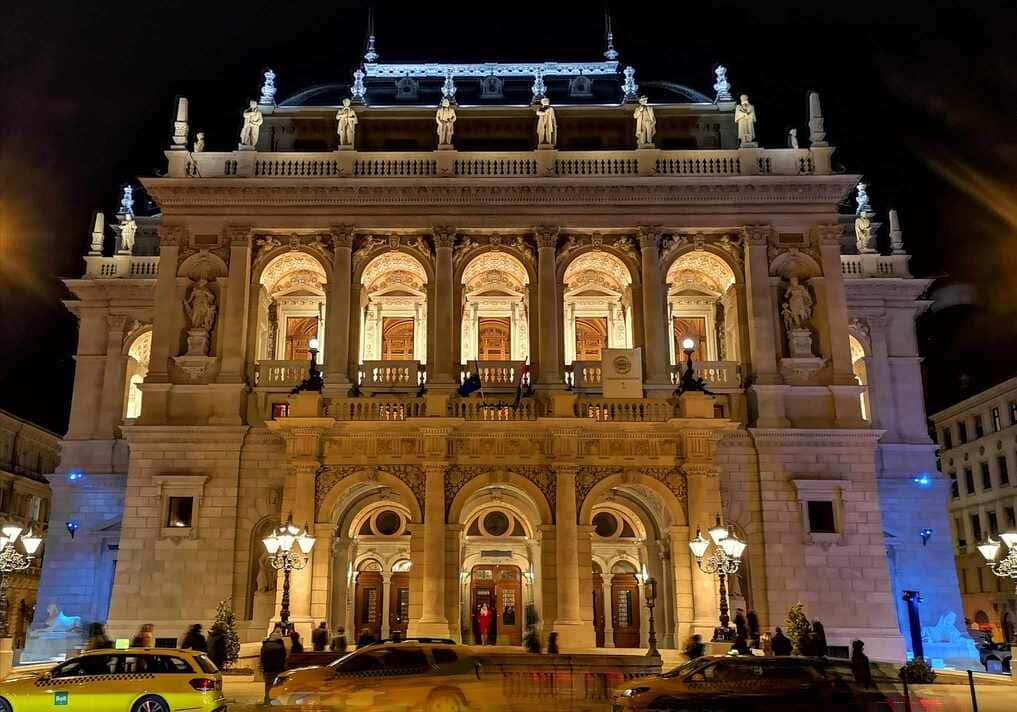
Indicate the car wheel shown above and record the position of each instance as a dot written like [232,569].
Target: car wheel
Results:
[446,701]
[5,706]
[150,703]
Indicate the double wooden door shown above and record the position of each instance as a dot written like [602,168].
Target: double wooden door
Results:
[399,604]
[500,587]
[625,610]
[368,604]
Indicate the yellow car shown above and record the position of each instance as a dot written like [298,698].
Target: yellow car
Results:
[409,675]
[132,680]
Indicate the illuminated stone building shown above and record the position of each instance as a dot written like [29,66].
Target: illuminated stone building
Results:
[416,265]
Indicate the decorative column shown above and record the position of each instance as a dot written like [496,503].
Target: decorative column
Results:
[551,375]
[432,615]
[703,505]
[762,326]
[658,380]
[90,366]
[337,314]
[605,596]
[112,400]
[572,631]
[302,474]
[443,369]
[384,604]
[234,312]
[570,333]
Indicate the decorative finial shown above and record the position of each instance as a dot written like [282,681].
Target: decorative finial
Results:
[127,201]
[180,127]
[98,233]
[610,53]
[538,86]
[722,86]
[358,89]
[629,86]
[370,55]
[817,132]
[268,89]
[448,89]
[896,236]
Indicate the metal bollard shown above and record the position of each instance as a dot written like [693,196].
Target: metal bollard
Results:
[971,684]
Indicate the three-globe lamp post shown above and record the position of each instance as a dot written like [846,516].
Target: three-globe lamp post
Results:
[12,560]
[284,557]
[724,560]
[1007,566]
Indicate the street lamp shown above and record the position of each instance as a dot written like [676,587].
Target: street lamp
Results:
[724,560]
[314,381]
[650,593]
[12,560]
[1007,566]
[689,381]
[283,557]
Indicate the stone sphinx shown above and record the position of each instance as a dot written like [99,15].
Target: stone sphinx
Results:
[56,636]
[945,643]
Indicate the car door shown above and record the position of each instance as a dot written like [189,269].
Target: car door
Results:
[73,685]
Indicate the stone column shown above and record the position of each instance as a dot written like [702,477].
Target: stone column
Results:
[547,309]
[703,506]
[111,408]
[654,314]
[572,631]
[386,591]
[234,312]
[90,367]
[836,303]
[432,616]
[443,370]
[302,474]
[763,344]
[608,610]
[570,333]
[337,315]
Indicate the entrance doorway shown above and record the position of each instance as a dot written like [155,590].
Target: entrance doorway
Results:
[367,611]
[500,587]
[494,339]
[694,327]
[399,605]
[299,332]
[625,610]
[397,339]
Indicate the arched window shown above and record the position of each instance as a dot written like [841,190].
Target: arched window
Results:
[495,321]
[702,305]
[394,310]
[858,365]
[138,356]
[598,306]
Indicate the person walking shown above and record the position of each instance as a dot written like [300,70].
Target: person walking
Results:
[860,664]
[780,643]
[194,639]
[145,637]
[695,647]
[484,617]
[741,645]
[338,644]
[752,620]
[273,659]
[319,637]
[366,638]
[217,645]
[552,643]
[819,633]
[532,639]
[741,626]
[807,644]
[296,645]
[97,638]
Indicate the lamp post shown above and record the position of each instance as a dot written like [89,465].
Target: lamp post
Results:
[12,560]
[1007,566]
[724,560]
[283,557]
[650,593]
[689,382]
[314,381]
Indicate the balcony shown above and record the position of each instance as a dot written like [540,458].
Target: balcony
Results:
[625,410]
[718,375]
[584,375]
[121,266]
[375,408]
[279,374]
[496,376]
[873,265]
[391,376]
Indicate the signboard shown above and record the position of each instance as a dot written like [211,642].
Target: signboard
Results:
[622,373]
[122,643]
[60,697]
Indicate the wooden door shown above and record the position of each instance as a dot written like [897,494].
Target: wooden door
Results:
[598,608]
[299,332]
[591,337]
[494,339]
[482,590]
[399,604]
[397,339]
[625,610]
[694,326]
[367,611]
[510,609]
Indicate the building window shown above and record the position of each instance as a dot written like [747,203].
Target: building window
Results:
[962,432]
[280,410]
[976,527]
[947,439]
[993,524]
[979,428]
[821,519]
[181,504]
[1012,406]
[958,526]
[995,420]
[986,477]
[179,512]
[969,481]
[954,486]
[1004,473]
[1011,517]
[823,509]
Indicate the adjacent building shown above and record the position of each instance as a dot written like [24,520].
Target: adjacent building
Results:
[978,454]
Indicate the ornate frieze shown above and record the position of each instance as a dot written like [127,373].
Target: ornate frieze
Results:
[588,477]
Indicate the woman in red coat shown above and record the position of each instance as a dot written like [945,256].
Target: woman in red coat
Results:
[484,618]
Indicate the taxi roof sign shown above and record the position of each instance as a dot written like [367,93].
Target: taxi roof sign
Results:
[122,643]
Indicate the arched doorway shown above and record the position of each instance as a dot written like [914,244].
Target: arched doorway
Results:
[499,589]
[598,308]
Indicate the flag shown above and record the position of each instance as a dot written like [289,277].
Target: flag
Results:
[519,384]
[471,384]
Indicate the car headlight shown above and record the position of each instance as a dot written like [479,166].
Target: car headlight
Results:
[633,691]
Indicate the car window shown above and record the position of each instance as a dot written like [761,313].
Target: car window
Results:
[85,665]
[169,664]
[360,663]
[444,656]
[404,659]
[788,673]
[206,664]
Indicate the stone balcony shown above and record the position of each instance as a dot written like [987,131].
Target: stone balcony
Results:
[869,265]
[279,374]
[121,267]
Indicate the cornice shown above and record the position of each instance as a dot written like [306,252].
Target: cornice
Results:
[815,437]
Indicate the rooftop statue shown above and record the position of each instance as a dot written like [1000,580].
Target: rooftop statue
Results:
[268,89]
[547,123]
[445,118]
[722,86]
[199,142]
[253,119]
[745,119]
[792,138]
[646,123]
[127,200]
[862,197]
[128,229]
[347,127]
[863,232]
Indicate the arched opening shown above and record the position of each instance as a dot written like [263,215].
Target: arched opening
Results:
[138,356]
[290,312]
[262,577]
[702,304]
[860,368]
[393,314]
[598,313]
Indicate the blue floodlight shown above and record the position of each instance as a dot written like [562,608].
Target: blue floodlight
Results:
[922,480]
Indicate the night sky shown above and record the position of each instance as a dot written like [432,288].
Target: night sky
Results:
[918,97]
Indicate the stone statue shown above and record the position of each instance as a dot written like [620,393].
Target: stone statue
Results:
[792,138]
[446,119]
[863,231]
[347,119]
[266,578]
[797,309]
[862,197]
[127,201]
[646,123]
[629,86]
[57,622]
[200,306]
[128,229]
[945,630]
[745,119]
[199,142]
[253,119]
[722,86]
[547,123]
[268,89]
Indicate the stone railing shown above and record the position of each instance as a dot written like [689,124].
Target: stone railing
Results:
[496,375]
[279,374]
[391,375]
[121,266]
[717,374]
[548,163]
[874,265]
[629,410]
[375,408]
[495,411]
[584,375]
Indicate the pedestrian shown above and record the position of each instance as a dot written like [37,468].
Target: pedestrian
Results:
[296,646]
[97,638]
[753,622]
[194,639]
[338,644]
[741,626]
[766,643]
[532,640]
[819,633]
[781,643]
[273,658]
[319,637]
[366,638]
[741,645]
[552,643]
[807,644]
[484,616]
[695,647]
[145,637]
[217,645]
[860,664]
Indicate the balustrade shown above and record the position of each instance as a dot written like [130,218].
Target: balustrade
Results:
[391,375]
[716,374]
[121,266]
[584,375]
[494,411]
[279,374]
[627,410]
[496,375]
[375,408]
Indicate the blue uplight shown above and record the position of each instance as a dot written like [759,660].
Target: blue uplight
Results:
[75,475]
[72,527]
[926,534]
[922,480]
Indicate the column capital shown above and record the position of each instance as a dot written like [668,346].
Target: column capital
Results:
[546,236]
[238,235]
[444,236]
[171,235]
[756,235]
[829,234]
[116,323]
[342,235]
[568,469]
[649,237]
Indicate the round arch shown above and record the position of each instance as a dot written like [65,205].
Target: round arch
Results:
[718,261]
[327,509]
[351,522]
[795,264]
[629,261]
[521,265]
[712,271]
[499,477]
[675,508]
[301,254]
[401,255]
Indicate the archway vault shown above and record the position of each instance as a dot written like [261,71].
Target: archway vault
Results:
[669,483]
[332,481]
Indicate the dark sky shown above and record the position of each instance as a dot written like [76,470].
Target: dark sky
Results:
[918,97]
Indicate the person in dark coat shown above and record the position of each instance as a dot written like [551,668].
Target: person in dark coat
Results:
[819,634]
[807,644]
[273,658]
[532,640]
[741,627]
[695,647]
[338,644]
[753,622]
[194,639]
[217,645]
[319,637]
[741,645]
[366,638]
[860,664]
[780,643]
[296,646]
[97,638]
[552,643]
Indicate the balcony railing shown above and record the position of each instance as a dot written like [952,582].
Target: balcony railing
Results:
[496,375]
[717,374]
[391,375]
[495,411]
[279,374]
[873,265]
[375,408]
[584,375]
[121,266]
[628,410]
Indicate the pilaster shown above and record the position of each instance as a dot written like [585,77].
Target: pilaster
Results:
[338,364]
[433,620]
[763,344]
[111,407]
[443,369]
[234,339]
[658,381]
[550,364]
[572,631]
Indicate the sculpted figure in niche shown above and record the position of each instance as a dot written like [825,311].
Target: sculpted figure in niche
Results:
[446,119]
[646,122]
[253,119]
[797,309]
[347,119]
[200,306]
[745,119]
[547,123]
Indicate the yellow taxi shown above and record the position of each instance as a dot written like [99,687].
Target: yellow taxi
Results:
[411,674]
[131,680]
